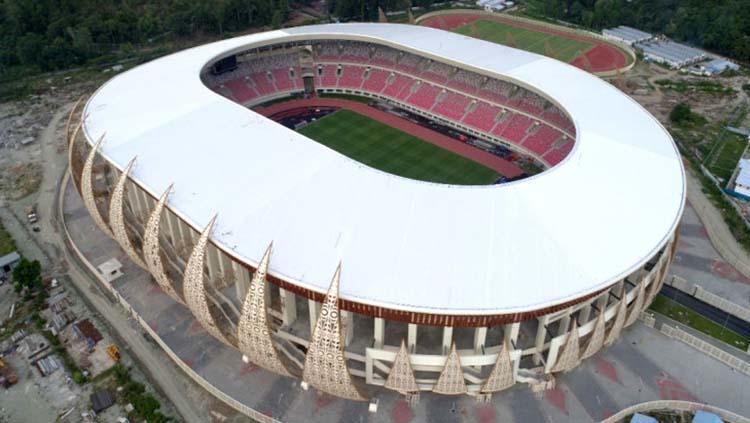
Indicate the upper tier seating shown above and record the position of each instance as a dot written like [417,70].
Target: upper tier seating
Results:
[541,140]
[424,97]
[452,105]
[375,81]
[351,77]
[482,117]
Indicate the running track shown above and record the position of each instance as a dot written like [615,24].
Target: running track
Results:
[499,165]
[601,57]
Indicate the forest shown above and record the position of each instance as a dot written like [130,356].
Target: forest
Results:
[722,26]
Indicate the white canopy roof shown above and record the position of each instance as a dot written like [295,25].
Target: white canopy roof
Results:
[404,244]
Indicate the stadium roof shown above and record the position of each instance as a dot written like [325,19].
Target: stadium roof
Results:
[405,244]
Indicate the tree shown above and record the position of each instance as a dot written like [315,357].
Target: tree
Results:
[27,274]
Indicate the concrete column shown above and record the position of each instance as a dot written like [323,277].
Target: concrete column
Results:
[145,204]
[347,320]
[480,337]
[174,235]
[314,308]
[288,307]
[214,271]
[411,337]
[541,333]
[510,332]
[564,323]
[226,266]
[447,338]
[584,313]
[378,331]
[242,276]
[135,206]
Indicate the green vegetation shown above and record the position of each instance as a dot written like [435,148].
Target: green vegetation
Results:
[561,48]
[724,157]
[688,317]
[27,274]
[721,26]
[682,115]
[7,245]
[146,407]
[700,85]
[391,150]
[49,35]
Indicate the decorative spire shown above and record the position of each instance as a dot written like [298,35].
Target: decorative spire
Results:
[117,217]
[617,326]
[502,375]
[195,287]
[325,363]
[637,307]
[151,249]
[570,355]
[597,338]
[451,380]
[254,330]
[401,377]
[87,189]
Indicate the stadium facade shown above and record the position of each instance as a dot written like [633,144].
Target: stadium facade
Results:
[315,266]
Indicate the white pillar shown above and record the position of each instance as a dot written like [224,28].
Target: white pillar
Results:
[584,313]
[510,332]
[347,320]
[214,271]
[174,233]
[411,338]
[447,338]
[564,323]
[480,336]
[541,333]
[242,281]
[378,331]
[145,205]
[314,308]
[288,307]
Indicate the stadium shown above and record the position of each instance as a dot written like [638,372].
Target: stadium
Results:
[378,206]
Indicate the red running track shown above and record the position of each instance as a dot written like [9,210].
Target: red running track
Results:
[499,165]
[601,57]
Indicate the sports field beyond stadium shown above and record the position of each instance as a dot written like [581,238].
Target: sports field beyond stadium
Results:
[388,149]
[588,53]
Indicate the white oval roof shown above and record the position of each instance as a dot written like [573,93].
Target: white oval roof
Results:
[404,244]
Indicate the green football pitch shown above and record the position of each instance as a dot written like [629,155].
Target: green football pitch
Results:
[388,149]
[560,48]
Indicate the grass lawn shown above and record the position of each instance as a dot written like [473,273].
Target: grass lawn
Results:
[726,154]
[560,48]
[6,242]
[391,150]
[684,315]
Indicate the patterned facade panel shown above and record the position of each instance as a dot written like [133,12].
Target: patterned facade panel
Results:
[502,375]
[253,330]
[401,377]
[117,217]
[570,355]
[195,288]
[87,189]
[637,307]
[451,380]
[325,363]
[596,342]
[614,331]
[72,145]
[151,249]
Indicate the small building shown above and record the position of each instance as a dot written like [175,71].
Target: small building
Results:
[8,262]
[102,400]
[742,182]
[111,269]
[494,5]
[626,34]
[717,66]
[670,53]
